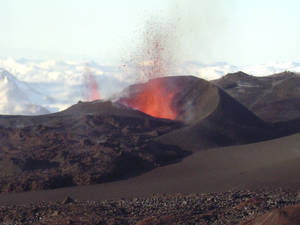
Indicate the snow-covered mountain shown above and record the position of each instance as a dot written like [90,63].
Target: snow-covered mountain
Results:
[17,97]
[54,85]
[41,86]
[71,72]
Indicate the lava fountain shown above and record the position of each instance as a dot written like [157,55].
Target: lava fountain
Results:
[153,99]
[153,60]
[91,87]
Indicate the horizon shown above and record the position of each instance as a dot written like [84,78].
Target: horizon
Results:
[56,85]
[207,71]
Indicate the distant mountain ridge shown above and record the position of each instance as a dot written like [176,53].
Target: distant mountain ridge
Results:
[274,98]
[19,98]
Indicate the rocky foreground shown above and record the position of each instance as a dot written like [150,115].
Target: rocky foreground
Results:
[233,207]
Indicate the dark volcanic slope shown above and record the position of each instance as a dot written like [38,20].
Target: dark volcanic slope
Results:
[88,143]
[273,163]
[273,98]
[212,117]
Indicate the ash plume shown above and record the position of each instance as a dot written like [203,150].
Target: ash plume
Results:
[154,54]
[188,31]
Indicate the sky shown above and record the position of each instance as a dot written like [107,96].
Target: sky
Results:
[240,32]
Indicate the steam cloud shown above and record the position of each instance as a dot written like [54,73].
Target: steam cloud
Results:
[199,26]
[91,91]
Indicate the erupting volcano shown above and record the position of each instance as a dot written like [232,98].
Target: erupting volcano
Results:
[153,59]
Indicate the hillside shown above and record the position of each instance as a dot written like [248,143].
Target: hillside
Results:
[273,98]
[81,145]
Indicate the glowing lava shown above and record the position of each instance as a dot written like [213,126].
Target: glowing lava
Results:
[153,100]
[154,58]
[91,88]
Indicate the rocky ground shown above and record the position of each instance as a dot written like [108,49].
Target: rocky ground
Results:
[273,98]
[232,207]
[81,148]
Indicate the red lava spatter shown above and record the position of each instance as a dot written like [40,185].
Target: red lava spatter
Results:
[153,61]
[154,100]
[91,88]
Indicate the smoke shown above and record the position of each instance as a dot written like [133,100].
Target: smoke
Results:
[189,30]
[200,25]
[91,90]
[153,55]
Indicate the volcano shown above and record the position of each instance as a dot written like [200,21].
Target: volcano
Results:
[101,141]
[212,118]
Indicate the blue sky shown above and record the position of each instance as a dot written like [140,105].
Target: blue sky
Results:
[239,32]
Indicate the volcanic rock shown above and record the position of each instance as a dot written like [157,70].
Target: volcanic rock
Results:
[212,208]
[285,216]
[84,144]
[274,98]
[67,200]
[101,141]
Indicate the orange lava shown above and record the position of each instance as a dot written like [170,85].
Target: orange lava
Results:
[154,100]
